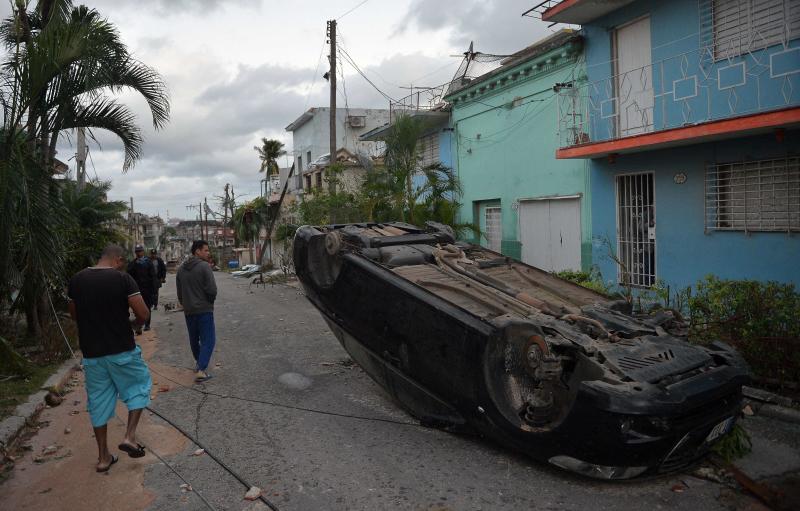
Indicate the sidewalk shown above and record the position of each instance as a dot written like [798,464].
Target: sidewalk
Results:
[55,464]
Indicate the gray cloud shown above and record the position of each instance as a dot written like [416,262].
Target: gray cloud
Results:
[171,7]
[496,26]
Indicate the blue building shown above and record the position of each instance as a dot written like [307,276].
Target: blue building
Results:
[690,121]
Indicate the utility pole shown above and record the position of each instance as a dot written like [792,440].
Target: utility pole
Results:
[332,78]
[80,160]
[202,212]
[130,225]
[225,222]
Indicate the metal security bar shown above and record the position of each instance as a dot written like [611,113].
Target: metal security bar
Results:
[494,228]
[761,195]
[636,230]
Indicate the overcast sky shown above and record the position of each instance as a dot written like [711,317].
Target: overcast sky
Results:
[239,70]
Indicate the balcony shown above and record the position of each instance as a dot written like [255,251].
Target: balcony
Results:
[707,94]
[578,12]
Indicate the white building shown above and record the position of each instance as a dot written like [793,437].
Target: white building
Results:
[311,136]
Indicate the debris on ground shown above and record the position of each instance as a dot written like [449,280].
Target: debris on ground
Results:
[185,487]
[67,430]
[53,399]
[253,493]
[199,452]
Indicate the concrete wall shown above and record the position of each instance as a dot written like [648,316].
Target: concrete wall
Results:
[504,150]
[314,135]
[684,252]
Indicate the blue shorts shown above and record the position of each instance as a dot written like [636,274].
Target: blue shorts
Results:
[123,375]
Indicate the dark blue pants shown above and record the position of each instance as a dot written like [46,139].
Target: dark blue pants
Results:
[201,337]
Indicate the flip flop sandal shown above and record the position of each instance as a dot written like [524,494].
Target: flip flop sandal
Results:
[114,459]
[133,452]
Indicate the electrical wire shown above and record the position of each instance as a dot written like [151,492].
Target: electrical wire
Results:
[287,406]
[314,78]
[213,457]
[55,315]
[352,62]
[352,9]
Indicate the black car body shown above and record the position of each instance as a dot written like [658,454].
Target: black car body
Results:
[465,338]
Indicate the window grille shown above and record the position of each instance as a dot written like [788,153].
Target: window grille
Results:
[742,26]
[494,228]
[636,230]
[759,195]
[429,150]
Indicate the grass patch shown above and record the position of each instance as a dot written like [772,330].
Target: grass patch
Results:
[16,391]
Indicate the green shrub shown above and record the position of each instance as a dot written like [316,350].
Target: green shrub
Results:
[762,319]
[591,279]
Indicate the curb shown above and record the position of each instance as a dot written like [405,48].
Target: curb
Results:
[11,426]
[771,405]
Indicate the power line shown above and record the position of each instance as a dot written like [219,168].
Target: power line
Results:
[314,78]
[350,60]
[352,9]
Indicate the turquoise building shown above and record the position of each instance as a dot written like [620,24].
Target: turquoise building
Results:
[528,204]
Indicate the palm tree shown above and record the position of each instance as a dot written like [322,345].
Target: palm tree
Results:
[248,220]
[64,65]
[268,153]
[92,222]
[393,193]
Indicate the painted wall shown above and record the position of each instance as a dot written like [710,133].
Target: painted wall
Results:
[314,135]
[504,150]
[684,252]
[690,84]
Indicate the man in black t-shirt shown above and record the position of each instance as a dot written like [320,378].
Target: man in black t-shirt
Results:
[100,297]
[161,274]
[142,271]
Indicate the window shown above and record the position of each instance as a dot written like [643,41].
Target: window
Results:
[428,147]
[308,157]
[308,183]
[300,163]
[319,179]
[494,228]
[759,195]
[747,25]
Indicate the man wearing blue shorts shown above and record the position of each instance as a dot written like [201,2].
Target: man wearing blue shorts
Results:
[100,297]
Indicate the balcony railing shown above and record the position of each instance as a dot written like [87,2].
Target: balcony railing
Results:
[683,90]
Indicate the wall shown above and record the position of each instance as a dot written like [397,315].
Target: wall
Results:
[506,154]
[684,253]
[689,84]
[314,135]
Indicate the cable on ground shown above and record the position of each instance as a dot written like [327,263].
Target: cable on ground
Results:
[289,407]
[213,457]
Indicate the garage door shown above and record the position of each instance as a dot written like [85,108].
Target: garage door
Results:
[550,233]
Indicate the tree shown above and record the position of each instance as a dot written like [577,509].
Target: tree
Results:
[63,67]
[91,222]
[248,220]
[268,153]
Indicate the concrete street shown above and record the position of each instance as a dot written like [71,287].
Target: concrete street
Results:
[273,346]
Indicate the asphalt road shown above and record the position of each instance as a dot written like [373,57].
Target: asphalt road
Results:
[273,346]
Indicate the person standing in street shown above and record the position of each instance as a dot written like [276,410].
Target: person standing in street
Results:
[141,269]
[197,291]
[161,274]
[99,299]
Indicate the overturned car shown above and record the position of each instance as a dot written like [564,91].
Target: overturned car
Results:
[466,339]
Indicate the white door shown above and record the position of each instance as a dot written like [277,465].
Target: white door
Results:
[634,80]
[550,233]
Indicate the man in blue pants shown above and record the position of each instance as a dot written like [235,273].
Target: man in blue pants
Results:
[197,291]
